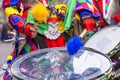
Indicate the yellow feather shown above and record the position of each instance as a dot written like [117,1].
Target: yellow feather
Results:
[40,12]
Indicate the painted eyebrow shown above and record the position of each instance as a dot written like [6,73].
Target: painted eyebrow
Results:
[53,25]
[56,23]
[50,24]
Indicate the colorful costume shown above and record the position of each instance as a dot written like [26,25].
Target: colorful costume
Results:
[32,18]
[89,15]
[45,29]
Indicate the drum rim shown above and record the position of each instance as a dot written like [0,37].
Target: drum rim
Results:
[105,73]
[112,26]
[30,54]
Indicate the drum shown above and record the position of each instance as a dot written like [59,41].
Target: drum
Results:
[55,64]
[107,41]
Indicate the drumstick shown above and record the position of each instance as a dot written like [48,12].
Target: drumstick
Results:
[84,32]
[76,43]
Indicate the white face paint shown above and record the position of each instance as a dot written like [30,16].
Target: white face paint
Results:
[53,32]
[52,28]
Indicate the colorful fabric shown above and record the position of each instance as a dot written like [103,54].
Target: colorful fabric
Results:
[47,1]
[30,18]
[17,22]
[7,76]
[11,57]
[25,12]
[41,27]
[28,47]
[107,3]
[59,42]
[11,10]
[7,3]
[99,4]
[88,7]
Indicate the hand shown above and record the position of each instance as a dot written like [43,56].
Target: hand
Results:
[30,31]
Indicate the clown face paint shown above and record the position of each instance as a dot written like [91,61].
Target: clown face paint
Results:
[53,32]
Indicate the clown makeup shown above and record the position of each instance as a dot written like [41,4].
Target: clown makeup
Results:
[53,32]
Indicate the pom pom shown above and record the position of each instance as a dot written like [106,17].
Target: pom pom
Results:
[10,57]
[9,61]
[40,12]
[74,45]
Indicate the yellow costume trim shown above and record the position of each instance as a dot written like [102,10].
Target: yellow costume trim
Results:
[77,16]
[60,26]
[12,10]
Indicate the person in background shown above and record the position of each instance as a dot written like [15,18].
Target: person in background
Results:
[6,32]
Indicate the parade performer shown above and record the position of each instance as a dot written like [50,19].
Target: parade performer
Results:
[41,27]
[16,11]
[89,15]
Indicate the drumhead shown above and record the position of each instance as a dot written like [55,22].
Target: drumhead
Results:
[54,63]
[92,65]
[105,40]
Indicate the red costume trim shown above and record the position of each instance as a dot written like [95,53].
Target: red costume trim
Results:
[59,42]
[53,20]
[100,4]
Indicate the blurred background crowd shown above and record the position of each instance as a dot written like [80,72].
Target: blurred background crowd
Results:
[5,29]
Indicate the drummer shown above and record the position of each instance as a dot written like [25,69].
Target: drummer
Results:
[90,18]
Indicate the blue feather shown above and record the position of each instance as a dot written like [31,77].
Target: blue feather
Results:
[74,45]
